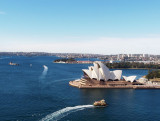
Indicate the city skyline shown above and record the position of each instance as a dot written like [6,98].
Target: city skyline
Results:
[98,27]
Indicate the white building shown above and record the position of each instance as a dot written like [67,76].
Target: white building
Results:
[101,72]
[143,80]
[129,78]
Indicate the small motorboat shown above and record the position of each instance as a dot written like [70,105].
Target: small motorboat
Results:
[100,103]
[13,64]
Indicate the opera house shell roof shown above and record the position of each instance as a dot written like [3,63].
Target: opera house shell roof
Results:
[101,72]
[129,78]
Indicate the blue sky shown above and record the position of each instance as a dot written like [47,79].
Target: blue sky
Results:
[80,26]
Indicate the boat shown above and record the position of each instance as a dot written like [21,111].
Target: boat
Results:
[100,103]
[13,64]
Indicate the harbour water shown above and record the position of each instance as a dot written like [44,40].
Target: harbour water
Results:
[30,92]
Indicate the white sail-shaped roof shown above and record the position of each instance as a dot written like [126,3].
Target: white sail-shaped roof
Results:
[101,77]
[90,68]
[96,69]
[88,72]
[94,76]
[118,74]
[125,78]
[104,70]
[112,75]
[129,78]
[93,73]
[101,72]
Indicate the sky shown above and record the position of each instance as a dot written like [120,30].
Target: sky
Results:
[80,26]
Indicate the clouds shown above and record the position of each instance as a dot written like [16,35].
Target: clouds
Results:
[69,28]
[102,45]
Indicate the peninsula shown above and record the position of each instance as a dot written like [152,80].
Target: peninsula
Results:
[99,76]
[71,61]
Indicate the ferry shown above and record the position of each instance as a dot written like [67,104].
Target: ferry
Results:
[100,103]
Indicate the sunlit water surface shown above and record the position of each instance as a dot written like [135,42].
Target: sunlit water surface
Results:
[30,92]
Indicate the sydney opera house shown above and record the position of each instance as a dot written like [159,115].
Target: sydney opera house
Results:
[99,76]
[100,72]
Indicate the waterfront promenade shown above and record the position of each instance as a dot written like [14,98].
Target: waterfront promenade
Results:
[115,84]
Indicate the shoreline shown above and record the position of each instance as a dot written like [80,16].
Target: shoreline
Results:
[132,68]
[107,85]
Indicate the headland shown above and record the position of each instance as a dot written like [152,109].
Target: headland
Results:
[83,83]
[99,76]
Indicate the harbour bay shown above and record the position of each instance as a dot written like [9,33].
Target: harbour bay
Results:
[26,96]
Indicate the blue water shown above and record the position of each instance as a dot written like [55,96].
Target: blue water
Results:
[30,93]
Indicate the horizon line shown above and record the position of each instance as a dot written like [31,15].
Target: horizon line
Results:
[74,53]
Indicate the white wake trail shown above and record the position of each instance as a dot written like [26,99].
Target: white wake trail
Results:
[64,112]
[45,70]
[44,73]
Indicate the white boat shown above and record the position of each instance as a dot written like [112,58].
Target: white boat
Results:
[13,64]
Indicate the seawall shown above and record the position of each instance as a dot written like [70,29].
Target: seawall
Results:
[81,86]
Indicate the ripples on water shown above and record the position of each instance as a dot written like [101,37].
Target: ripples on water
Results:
[25,97]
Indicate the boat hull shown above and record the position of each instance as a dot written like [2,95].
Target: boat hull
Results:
[100,103]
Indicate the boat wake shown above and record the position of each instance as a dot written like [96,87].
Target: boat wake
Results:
[45,70]
[64,112]
[44,73]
